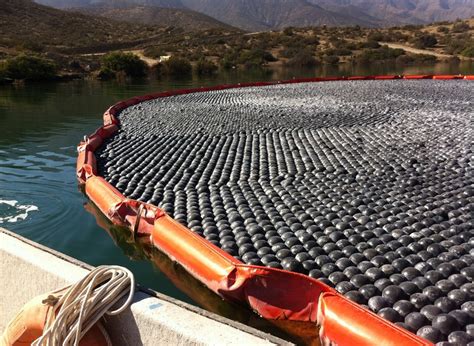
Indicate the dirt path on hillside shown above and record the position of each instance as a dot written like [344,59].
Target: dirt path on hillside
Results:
[138,52]
[416,50]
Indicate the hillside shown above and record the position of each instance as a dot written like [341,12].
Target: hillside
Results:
[396,12]
[76,43]
[325,45]
[66,4]
[159,16]
[259,15]
[26,24]
[251,15]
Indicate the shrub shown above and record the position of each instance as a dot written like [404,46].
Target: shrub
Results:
[177,67]
[425,41]
[105,73]
[32,46]
[228,63]
[288,31]
[381,54]
[461,27]
[454,60]
[156,51]
[331,59]
[127,63]
[375,36]
[411,27]
[395,36]
[443,29]
[455,46]
[311,40]
[419,59]
[468,52]
[459,45]
[29,67]
[425,59]
[229,60]
[3,74]
[370,44]
[405,60]
[304,59]
[342,52]
[291,50]
[337,42]
[255,57]
[205,67]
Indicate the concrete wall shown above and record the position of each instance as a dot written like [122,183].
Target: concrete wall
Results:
[28,269]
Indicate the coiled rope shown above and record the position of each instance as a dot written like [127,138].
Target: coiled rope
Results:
[83,304]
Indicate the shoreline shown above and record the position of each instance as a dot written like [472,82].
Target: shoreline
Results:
[446,67]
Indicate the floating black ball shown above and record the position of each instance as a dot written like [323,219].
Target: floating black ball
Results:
[378,302]
[337,191]
[404,307]
[416,320]
[393,293]
[445,323]
[430,333]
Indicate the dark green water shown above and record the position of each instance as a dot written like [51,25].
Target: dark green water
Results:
[40,126]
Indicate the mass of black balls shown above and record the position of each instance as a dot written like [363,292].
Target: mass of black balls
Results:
[366,186]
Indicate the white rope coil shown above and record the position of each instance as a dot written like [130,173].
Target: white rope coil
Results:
[84,303]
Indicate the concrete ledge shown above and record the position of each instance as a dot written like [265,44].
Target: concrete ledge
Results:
[28,269]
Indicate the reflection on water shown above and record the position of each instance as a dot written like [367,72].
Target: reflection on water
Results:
[40,126]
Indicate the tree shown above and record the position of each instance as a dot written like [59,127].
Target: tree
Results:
[119,62]
[177,67]
[461,27]
[468,52]
[288,31]
[205,67]
[382,54]
[304,59]
[425,41]
[443,29]
[29,67]
[255,57]
[331,59]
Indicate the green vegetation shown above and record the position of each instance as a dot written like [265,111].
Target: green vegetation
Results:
[419,59]
[30,67]
[425,41]
[255,58]
[331,60]
[73,42]
[122,63]
[468,52]
[304,59]
[176,67]
[205,67]
[460,27]
[443,29]
[384,53]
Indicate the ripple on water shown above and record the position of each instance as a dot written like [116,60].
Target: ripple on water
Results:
[12,211]
[38,180]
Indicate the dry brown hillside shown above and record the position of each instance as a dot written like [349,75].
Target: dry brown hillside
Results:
[157,16]
[25,24]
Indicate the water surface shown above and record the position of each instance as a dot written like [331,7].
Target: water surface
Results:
[40,126]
